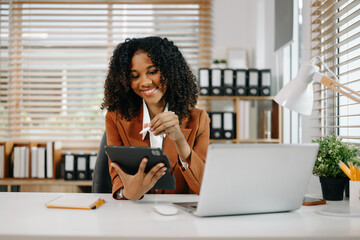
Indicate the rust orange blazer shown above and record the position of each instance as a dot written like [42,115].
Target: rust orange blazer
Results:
[196,131]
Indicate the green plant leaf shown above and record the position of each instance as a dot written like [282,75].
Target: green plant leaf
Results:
[331,151]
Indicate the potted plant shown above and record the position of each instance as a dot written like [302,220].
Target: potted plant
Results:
[215,63]
[223,63]
[332,178]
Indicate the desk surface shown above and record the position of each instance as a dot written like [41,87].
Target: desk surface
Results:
[24,216]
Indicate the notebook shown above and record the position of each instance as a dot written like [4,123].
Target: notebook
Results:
[79,201]
[253,178]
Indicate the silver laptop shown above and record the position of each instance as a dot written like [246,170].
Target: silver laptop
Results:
[253,178]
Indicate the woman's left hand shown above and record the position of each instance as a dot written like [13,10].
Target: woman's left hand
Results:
[166,123]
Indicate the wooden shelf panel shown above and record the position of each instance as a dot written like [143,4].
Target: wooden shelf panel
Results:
[245,140]
[47,185]
[44,182]
[265,98]
[259,140]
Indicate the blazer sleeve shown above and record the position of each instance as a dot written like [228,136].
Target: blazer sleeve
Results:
[193,174]
[113,138]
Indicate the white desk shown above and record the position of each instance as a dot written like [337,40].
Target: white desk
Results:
[24,216]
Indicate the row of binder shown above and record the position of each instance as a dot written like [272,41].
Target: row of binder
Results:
[79,166]
[41,159]
[222,125]
[234,82]
[29,159]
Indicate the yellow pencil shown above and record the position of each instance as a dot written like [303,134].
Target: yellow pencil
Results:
[345,169]
[357,173]
[351,167]
[98,203]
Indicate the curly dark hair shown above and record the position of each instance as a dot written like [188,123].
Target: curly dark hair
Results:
[181,86]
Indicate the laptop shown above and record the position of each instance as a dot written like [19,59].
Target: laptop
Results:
[253,178]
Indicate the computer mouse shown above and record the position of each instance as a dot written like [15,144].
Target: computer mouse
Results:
[166,210]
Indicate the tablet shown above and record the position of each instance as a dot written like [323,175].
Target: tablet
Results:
[129,158]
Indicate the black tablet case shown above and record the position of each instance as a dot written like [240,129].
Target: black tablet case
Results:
[129,158]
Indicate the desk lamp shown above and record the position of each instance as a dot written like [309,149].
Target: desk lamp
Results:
[298,94]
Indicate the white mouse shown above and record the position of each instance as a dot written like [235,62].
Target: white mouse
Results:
[167,210]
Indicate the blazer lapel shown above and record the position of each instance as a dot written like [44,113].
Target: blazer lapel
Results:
[132,129]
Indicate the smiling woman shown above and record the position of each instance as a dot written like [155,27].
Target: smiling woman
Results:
[150,94]
[145,81]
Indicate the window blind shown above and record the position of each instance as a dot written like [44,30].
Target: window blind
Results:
[335,37]
[55,54]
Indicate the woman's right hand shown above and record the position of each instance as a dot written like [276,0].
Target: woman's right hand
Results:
[135,186]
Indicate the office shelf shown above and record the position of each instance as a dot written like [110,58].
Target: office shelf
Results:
[257,124]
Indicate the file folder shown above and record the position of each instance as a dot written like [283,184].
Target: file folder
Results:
[41,162]
[82,170]
[49,163]
[254,83]
[216,129]
[34,162]
[2,160]
[70,164]
[204,81]
[216,82]
[229,89]
[229,125]
[241,79]
[265,82]
[17,162]
[92,162]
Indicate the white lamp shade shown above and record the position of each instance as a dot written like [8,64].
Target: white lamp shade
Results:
[298,94]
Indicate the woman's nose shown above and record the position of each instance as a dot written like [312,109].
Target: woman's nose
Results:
[145,81]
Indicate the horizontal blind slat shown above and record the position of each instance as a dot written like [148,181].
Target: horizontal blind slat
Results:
[57,58]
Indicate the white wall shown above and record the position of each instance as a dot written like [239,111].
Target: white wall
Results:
[250,24]
[245,24]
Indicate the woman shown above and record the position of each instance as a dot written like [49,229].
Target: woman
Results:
[150,94]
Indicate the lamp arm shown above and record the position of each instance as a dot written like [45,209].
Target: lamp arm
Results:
[337,87]
[327,68]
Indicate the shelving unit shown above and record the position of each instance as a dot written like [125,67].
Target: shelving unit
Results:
[9,146]
[47,185]
[29,184]
[205,102]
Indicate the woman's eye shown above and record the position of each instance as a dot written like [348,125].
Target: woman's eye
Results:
[153,72]
[134,76]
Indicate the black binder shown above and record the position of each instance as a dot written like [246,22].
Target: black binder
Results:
[216,129]
[204,81]
[92,162]
[216,82]
[70,167]
[241,79]
[229,89]
[229,124]
[265,77]
[254,83]
[82,170]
